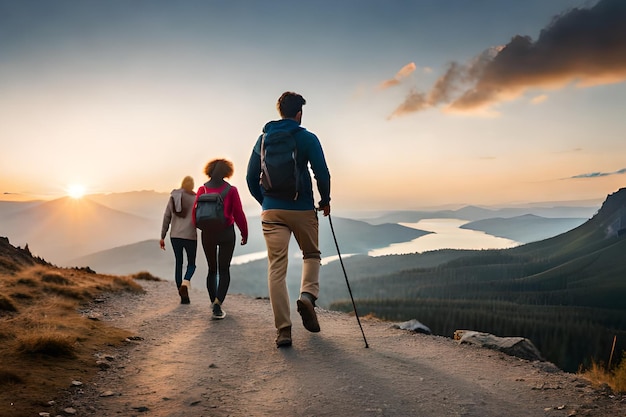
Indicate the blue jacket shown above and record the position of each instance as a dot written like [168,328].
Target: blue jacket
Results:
[309,152]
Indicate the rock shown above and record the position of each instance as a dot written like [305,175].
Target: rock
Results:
[414,326]
[134,338]
[515,346]
[94,316]
[103,364]
[141,409]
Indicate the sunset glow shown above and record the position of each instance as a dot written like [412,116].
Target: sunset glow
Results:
[76,191]
[429,102]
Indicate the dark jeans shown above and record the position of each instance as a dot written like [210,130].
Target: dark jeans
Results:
[218,249]
[190,246]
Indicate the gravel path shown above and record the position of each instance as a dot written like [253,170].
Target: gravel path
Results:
[182,363]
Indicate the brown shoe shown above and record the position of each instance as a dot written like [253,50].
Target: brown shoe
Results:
[283,337]
[183,291]
[309,318]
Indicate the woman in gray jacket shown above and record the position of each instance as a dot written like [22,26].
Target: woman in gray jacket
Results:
[183,234]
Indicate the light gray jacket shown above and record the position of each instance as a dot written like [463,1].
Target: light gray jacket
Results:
[182,227]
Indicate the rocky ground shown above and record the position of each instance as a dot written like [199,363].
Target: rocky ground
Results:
[182,363]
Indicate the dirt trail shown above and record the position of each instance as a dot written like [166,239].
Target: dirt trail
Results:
[189,365]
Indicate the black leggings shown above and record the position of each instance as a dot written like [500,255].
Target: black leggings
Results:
[218,249]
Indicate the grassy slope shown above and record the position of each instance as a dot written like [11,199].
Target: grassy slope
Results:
[45,343]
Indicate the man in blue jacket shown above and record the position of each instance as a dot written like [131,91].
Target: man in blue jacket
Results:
[281,217]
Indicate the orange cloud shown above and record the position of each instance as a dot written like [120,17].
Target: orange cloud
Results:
[539,99]
[404,72]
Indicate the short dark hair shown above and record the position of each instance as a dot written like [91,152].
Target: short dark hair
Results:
[289,104]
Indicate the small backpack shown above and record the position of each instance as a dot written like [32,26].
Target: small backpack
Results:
[210,210]
[279,170]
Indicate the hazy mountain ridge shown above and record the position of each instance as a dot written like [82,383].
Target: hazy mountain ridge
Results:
[525,228]
[132,221]
[474,213]
[65,228]
[147,203]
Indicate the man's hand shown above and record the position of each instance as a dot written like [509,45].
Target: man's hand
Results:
[325,209]
[162,244]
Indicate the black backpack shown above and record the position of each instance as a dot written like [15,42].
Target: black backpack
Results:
[210,210]
[279,170]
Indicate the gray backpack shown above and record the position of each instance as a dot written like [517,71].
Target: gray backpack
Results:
[210,210]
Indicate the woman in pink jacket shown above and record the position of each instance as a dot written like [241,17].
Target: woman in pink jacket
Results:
[219,245]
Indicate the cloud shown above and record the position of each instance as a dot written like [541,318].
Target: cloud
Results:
[599,174]
[581,46]
[404,72]
[539,99]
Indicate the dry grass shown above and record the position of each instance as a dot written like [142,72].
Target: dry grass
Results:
[145,276]
[44,342]
[599,375]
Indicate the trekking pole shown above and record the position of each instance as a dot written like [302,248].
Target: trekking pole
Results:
[332,229]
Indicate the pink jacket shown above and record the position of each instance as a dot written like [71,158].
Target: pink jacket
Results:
[233,210]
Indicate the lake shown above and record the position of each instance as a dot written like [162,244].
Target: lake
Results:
[447,234]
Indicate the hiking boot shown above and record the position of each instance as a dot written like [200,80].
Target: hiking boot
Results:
[183,291]
[218,313]
[283,337]
[307,312]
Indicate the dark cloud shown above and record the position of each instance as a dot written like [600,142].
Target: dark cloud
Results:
[582,46]
[600,174]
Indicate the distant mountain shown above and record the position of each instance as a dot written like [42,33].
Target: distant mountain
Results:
[67,228]
[526,228]
[147,204]
[10,207]
[474,213]
[352,236]
[57,232]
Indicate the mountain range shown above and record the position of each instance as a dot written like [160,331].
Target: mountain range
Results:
[100,230]
[61,229]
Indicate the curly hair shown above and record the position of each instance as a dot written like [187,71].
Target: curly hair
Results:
[219,167]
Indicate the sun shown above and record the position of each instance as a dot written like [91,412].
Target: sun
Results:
[75,191]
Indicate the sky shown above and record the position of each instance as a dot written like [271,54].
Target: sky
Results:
[417,103]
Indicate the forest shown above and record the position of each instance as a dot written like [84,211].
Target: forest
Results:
[566,294]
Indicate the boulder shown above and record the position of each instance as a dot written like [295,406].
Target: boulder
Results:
[515,346]
[414,326]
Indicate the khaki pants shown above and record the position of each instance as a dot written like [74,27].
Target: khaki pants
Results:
[278,225]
